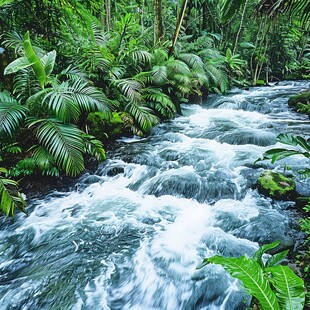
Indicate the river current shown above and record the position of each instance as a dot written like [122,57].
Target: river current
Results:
[130,236]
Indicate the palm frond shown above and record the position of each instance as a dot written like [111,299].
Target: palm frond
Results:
[68,99]
[142,116]
[160,102]
[159,75]
[192,60]
[11,114]
[44,160]
[141,57]
[94,147]
[63,142]
[130,88]
[25,84]
[175,66]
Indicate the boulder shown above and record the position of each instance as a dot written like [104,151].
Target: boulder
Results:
[276,185]
[303,98]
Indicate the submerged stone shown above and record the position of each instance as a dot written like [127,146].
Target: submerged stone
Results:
[276,185]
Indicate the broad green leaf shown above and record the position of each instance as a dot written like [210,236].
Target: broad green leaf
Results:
[10,198]
[16,65]
[34,60]
[289,287]
[276,258]
[251,274]
[48,62]
[247,45]
[259,253]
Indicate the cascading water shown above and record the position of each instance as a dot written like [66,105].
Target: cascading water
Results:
[131,235]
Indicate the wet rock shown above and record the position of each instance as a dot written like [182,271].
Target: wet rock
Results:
[300,98]
[276,185]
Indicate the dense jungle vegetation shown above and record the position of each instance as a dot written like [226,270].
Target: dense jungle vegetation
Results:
[74,74]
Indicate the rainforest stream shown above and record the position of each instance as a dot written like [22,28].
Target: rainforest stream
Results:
[130,236]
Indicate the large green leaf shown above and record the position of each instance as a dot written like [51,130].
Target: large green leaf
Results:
[16,65]
[259,253]
[34,60]
[64,142]
[289,287]
[10,198]
[292,140]
[275,259]
[48,62]
[251,274]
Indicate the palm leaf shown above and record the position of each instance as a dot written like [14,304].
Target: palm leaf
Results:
[159,75]
[142,115]
[142,57]
[68,99]
[249,272]
[289,287]
[160,102]
[175,66]
[11,114]
[294,141]
[193,60]
[94,147]
[63,142]
[10,198]
[44,160]
[130,88]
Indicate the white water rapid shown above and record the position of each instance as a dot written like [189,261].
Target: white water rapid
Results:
[130,236]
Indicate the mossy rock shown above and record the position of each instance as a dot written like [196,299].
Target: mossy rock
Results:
[300,98]
[303,108]
[276,185]
[105,127]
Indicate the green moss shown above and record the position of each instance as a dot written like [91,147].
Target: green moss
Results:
[260,83]
[303,108]
[276,185]
[300,98]
[100,124]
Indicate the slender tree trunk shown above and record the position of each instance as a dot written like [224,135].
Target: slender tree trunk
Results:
[240,27]
[106,14]
[142,18]
[204,15]
[178,27]
[158,26]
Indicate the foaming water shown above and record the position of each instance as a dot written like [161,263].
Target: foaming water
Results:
[130,236]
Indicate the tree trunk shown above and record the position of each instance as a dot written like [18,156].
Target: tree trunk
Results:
[158,26]
[240,27]
[178,27]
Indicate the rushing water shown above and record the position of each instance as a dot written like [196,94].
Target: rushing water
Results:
[131,235]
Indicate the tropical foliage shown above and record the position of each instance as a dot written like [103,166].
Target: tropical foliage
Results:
[61,61]
[272,285]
